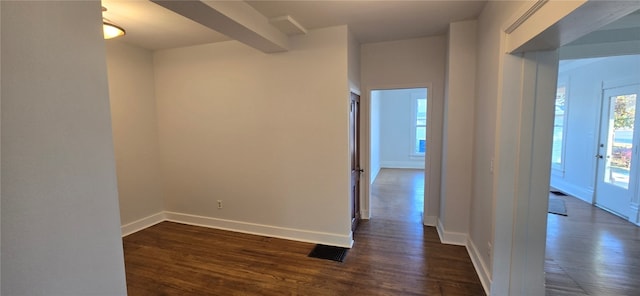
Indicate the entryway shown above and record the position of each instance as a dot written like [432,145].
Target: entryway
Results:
[399,125]
[617,159]
[595,140]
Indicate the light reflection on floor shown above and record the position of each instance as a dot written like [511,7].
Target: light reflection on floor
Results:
[398,194]
[596,252]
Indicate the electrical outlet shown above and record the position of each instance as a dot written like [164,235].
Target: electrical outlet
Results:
[489,250]
[219,204]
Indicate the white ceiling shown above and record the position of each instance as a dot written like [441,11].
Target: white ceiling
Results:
[373,21]
[624,29]
[151,26]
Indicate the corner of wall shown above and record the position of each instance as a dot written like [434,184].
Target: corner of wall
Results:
[143,223]
[449,237]
[430,221]
[481,268]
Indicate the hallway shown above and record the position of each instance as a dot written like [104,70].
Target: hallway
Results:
[396,230]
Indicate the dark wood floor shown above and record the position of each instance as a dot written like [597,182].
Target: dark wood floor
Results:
[591,252]
[393,254]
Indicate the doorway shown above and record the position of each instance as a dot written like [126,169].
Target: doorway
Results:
[399,124]
[617,159]
[595,116]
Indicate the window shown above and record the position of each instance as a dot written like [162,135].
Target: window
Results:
[420,127]
[559,127]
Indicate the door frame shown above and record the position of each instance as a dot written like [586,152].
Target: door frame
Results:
[522,175]
[631,211]
[355,199]
[432,181]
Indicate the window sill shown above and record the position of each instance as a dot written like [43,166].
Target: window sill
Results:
[558,172]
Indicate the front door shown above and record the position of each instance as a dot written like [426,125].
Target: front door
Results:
[354,145]
[617,151]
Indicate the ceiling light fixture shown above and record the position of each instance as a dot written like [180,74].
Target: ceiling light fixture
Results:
[109,29]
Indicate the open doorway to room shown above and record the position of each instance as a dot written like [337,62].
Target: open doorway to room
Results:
[594,163]
[398,134]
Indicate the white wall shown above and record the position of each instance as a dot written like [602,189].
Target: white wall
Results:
[353,63]
[0,159]
[458,134]
[266,134]
[584,79]
[396,120]
[135,130]
[412,63]
[488,77]
[374,155]
[60,223]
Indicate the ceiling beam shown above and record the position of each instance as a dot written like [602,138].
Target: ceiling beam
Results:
[236,19]
[570,20]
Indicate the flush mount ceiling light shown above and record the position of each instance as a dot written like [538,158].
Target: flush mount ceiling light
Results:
[109,29]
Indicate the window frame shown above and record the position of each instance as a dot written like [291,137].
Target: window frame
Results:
[558,167]
[415,126]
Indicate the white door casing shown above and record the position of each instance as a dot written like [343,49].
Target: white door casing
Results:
[616,178]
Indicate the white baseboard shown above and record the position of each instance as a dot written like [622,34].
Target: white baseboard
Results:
[583,193]
[480,266]
[141,224]
[374,174]
[402,164]
[451,238]
[365,214]
[430,221]
[263,230]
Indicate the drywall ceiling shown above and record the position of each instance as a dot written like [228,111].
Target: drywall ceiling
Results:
[153,27]
[624,29]
[373,21]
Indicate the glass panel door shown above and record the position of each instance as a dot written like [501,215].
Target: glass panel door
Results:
[616,153]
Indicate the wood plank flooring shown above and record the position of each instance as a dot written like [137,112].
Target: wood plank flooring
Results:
[393,254]
[591,252]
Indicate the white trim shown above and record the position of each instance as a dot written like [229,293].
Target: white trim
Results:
[608,49]
[243,227]
[480,266]
[430,221]
[402,164]
[619,83]
[580,192]
[414,126]
[365,215]
[141,224]
[557,173]
[451,238]
[566,83]
[263,230]
[431,198]
[372,180]
[634,213]
[523,15]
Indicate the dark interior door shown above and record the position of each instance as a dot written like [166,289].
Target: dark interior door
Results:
[354,144]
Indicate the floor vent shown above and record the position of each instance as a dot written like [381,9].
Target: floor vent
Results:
[558,193]
[329,253]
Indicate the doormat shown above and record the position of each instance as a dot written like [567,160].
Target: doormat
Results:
[557,206]
[329,253]
[558,193]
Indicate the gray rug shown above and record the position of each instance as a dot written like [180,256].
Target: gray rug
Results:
[557,206]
